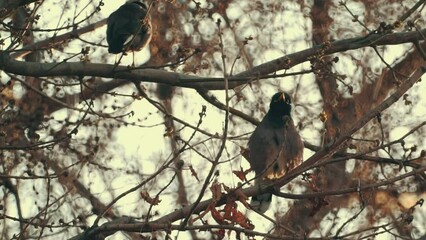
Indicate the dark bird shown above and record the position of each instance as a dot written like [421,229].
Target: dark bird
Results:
[127,29]
[275,147]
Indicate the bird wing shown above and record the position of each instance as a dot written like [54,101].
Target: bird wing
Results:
[291,151]
[275,150]
[264,145]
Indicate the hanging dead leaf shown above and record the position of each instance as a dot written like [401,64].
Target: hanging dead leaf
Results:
[232,214]
[228,209]
[153,201]
[241,174]
[217,216]
[242,220]
[216,190]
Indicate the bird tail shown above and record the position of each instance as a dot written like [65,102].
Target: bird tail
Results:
[262,201]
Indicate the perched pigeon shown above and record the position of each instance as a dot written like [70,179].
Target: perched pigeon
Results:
[126,30]
[275,147]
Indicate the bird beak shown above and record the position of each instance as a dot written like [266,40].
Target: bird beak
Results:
[282,96]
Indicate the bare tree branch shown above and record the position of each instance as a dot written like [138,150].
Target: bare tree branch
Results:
[7,64]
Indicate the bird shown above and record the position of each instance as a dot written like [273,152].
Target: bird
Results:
[128,29]
[275,147]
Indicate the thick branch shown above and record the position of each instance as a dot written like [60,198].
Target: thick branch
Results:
[10,65]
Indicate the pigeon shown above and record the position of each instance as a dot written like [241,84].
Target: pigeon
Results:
[275,147]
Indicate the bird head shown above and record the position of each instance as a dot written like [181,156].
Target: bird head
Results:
[280,104]
[141,4]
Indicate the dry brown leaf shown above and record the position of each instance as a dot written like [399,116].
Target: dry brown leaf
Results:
[153,201]
[241,174]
